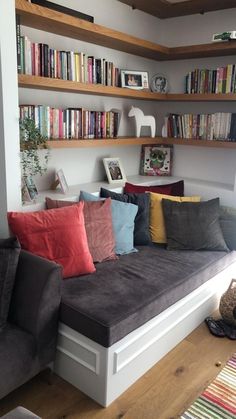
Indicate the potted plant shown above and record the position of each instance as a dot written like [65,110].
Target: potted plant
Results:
[33,162]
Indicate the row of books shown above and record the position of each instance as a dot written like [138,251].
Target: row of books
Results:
[39,59]
[71,123]
[220,80]
[215,126]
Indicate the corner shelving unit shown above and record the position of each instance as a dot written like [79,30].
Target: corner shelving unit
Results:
[38,17]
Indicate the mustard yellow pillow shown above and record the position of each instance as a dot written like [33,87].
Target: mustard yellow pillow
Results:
[157,222]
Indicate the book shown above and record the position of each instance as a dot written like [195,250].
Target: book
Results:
[18,43]
[63,9]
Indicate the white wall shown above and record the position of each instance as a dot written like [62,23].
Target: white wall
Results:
[10,196]
[84,165]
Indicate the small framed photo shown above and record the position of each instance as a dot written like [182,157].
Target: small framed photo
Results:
[29,187]
[114,170]
[156,160]
[62,181]
[134,79]
[159,84]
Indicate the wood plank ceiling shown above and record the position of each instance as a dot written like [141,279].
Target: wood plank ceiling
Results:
[172,8]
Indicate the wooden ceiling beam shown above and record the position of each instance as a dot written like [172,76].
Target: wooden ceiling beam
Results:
[163,9]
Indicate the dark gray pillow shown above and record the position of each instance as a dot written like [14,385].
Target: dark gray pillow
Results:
[193,225]
[9,255]
[141,222]
[228,226]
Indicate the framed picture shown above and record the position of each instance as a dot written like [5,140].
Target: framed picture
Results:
[134,79]
[156,160]
[159,84]
[29,189]
[62,181]
[114,170]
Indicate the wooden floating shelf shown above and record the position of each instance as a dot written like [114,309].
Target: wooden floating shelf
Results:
[48,20]
[121,141]
[127,141]
[59,23]
[46,83]
[199,143]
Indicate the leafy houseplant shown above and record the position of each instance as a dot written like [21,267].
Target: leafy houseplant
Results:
[31,142]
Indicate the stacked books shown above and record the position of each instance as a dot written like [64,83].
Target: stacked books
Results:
[38,59]
[71,123]
[216,126]
[220,80]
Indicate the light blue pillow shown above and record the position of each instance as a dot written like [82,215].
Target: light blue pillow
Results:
[123,215]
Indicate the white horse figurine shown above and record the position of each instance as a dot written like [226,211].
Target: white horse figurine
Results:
[142,120]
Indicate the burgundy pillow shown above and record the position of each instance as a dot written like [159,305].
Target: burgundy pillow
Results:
[58,235]
[98,224]
[174,189]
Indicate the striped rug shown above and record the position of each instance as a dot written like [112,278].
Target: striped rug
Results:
[218,401]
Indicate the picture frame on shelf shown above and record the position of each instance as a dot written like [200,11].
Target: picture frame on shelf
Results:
[156,160]
[132,79]
[29,189]
[159,84]
[62,181]
[114,170]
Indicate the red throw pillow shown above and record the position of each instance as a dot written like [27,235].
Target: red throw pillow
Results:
[98,224]
[174,189]
[58,235]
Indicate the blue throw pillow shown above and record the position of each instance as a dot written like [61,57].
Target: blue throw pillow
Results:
[141,223]
[123,216]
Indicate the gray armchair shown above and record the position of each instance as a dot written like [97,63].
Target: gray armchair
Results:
[28,342]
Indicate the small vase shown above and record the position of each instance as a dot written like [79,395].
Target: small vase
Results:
[227,306]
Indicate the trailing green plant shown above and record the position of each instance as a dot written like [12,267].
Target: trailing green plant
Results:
[31,142]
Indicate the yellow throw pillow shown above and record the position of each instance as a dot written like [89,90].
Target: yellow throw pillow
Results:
[157,222]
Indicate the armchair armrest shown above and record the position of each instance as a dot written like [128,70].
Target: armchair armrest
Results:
[36,299]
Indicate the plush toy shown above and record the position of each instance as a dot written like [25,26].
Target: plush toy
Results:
[142,120]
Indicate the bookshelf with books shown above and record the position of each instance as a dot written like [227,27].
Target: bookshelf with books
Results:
[96,82]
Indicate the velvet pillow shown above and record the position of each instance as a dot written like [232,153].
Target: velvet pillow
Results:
[141,223]
[157,223]
[58,235]
[98,224]
[193,226]
[228,226]
[123,216]
[9,255]
[176,188]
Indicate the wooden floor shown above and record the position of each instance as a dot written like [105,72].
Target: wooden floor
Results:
[162,393]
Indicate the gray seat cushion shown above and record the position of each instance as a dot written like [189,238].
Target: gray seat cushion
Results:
[123,294]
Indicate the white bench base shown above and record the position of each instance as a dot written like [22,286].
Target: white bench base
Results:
[105,373]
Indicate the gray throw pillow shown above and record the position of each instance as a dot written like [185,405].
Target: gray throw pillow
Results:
[9,255]
[193,225]
[228,226]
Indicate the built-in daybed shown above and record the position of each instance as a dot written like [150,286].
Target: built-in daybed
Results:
[119,321]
